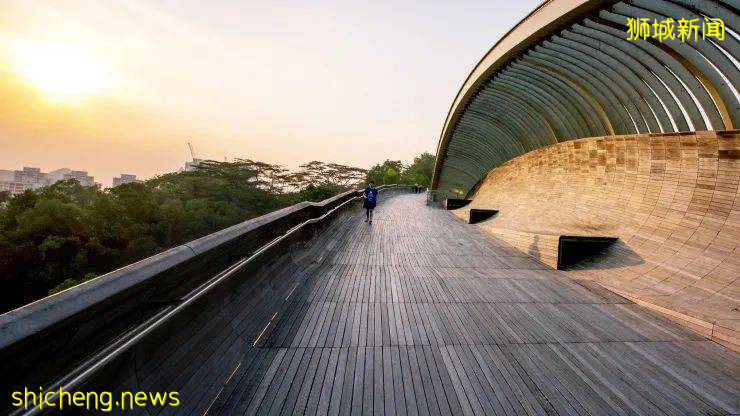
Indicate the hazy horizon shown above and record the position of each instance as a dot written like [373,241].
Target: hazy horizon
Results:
[122,86]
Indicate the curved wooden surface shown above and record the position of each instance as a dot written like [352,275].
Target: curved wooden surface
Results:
[672,199]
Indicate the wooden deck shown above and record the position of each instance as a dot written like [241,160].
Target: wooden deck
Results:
[420,313]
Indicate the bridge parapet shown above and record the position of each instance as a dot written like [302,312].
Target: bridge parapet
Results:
[91,332]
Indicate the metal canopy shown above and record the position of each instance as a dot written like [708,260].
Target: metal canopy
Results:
[567,71]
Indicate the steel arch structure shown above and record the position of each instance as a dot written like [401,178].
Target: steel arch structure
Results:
[568,71]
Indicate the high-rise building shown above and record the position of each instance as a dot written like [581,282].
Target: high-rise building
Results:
[81,176]
[9,184]
[7,175]
[31,176]
[13,187]
[17,181]
[64,174]
[124,179]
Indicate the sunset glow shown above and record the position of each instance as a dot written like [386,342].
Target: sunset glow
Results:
[115,87]
[62,73]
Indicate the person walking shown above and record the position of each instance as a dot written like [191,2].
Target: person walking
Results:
[371,198]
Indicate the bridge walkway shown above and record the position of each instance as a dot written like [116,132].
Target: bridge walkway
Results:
[420,313]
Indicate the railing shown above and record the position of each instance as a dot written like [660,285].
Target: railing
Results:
[68,339]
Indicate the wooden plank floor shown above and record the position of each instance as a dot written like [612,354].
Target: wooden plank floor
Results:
[421,314]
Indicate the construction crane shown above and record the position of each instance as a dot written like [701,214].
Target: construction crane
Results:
[192,153]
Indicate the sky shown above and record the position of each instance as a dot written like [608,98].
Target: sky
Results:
[121,86]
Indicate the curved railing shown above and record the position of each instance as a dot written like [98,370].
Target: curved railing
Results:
[88,334]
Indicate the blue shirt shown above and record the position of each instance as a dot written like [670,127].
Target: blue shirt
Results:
[371,194]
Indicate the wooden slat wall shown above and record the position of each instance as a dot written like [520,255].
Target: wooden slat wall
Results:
[672,199]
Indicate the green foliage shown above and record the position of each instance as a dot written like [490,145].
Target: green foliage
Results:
[393,171]
[61,235]
[325,175]
[65,234]
[68,283]
[420,171]
[386,173]
[316,193]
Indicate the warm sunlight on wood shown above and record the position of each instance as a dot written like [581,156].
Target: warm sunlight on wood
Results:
[63,73]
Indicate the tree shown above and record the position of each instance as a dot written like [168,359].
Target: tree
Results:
[343,176]
[62,235]
[386,173]
[420,171]
[331,175]
[268,176]
[315,180]
[4,196]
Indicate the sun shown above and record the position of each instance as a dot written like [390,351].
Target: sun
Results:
[63,73]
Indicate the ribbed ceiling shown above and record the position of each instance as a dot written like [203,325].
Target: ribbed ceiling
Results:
[586,79]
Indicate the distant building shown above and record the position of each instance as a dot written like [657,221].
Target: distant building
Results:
[193,165]
[13,188]
[124,179]
[30,176]
[7,175]
[64,174]
[82,177]
[17,181]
